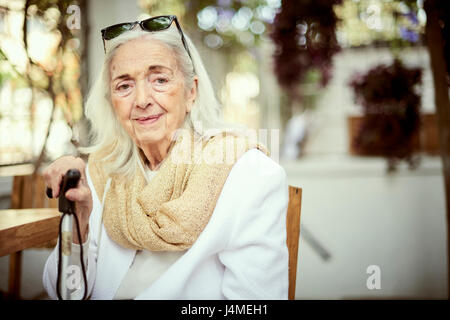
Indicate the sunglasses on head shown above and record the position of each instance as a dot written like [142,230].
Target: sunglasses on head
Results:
[158,23]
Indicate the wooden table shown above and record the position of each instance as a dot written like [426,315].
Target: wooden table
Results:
[16,170]
[25,228]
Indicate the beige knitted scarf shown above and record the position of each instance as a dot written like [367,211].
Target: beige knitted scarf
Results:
[170,211]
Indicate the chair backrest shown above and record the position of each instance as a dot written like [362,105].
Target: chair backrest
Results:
[29,192]
[293,234]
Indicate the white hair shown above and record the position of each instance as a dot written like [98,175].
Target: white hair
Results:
[205,117]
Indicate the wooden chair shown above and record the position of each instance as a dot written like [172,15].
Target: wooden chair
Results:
[27,192]
[293,235]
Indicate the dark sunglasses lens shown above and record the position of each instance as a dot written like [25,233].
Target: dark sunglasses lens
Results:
[115,31]
[157,24]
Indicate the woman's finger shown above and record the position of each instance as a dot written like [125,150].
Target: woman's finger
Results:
[79,194]
[55,183]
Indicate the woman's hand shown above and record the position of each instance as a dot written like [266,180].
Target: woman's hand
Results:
[81,195]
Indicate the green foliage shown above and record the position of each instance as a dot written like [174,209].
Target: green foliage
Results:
[394,23]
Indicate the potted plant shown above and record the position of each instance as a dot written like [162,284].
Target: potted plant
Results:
[391,113]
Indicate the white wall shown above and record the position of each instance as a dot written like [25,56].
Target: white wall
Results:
[363,217]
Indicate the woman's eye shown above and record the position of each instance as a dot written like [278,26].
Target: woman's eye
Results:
[161,80]
[123,87]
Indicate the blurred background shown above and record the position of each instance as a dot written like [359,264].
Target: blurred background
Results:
[346,89]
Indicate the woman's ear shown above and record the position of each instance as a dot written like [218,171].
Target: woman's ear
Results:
[192,95]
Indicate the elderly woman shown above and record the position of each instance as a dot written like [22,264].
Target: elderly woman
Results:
[173,203]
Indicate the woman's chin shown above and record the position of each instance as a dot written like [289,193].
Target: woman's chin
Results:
[148,141]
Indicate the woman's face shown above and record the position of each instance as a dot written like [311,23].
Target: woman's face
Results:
[148,92]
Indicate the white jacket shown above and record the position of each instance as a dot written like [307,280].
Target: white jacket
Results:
[241,253]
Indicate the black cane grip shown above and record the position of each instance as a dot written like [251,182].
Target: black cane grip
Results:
[70,180]
[72,175]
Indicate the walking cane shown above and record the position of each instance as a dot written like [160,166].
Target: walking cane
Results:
[67,207]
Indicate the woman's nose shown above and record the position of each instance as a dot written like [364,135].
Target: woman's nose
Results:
[143,95]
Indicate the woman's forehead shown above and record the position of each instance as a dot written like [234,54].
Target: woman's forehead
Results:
[139,53]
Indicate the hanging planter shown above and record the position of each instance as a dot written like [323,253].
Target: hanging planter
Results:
[304,34]
[390,123]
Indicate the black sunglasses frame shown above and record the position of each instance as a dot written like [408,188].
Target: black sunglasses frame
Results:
[142,25]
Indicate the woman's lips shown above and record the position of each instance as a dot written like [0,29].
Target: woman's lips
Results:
[149,119]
